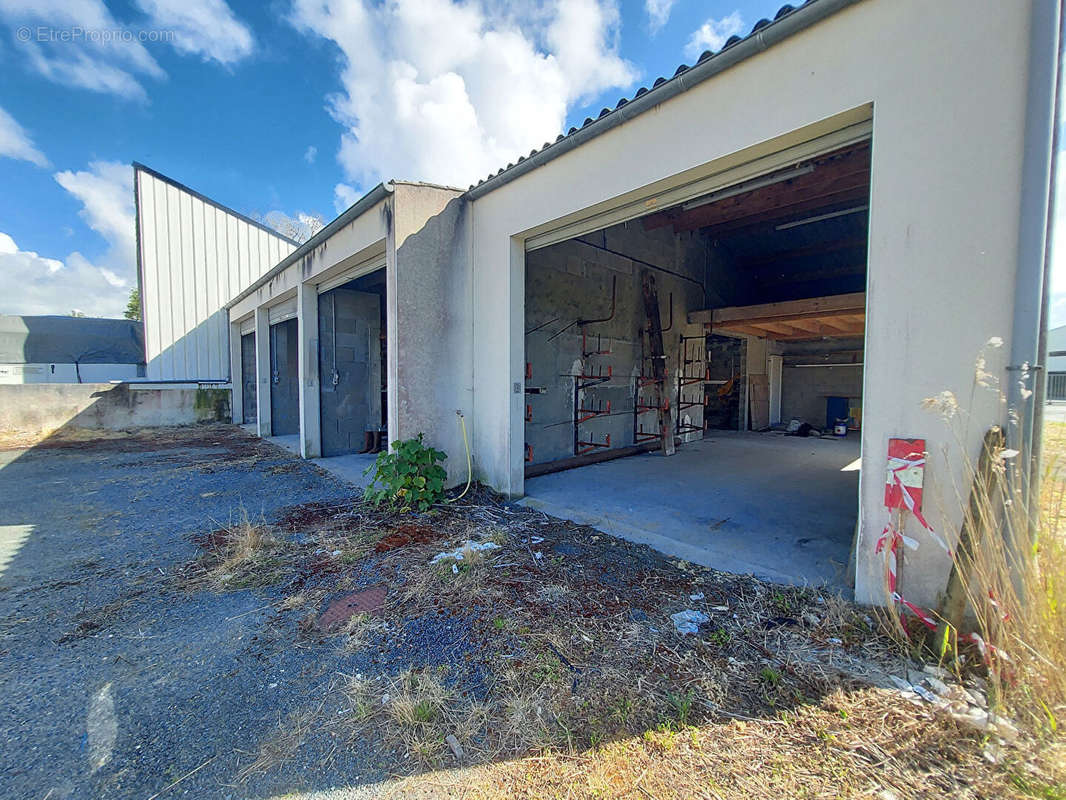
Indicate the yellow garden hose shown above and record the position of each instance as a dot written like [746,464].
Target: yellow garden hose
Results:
[469,463]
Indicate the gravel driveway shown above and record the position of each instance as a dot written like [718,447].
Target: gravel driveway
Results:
[116,681]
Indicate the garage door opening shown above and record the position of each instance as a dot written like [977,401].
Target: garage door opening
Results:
[694,376]
[353,392]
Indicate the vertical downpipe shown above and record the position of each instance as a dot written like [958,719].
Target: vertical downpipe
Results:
[1030,279]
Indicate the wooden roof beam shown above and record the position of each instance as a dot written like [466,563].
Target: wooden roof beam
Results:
[853,304]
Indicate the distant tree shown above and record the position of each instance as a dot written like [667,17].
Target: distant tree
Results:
[299,228]
[133,305]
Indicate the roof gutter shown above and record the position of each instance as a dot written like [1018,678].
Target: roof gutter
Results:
[1036,227]
[361,206]
[811,13]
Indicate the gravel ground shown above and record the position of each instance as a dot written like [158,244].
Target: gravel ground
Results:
[116,681]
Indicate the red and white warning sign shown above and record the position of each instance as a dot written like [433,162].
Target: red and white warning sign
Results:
[906,475]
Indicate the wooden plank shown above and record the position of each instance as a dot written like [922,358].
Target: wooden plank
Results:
[774,202]
[853,304]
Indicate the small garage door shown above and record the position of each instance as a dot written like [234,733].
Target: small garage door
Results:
[284,379]
[248,378]
[349,330]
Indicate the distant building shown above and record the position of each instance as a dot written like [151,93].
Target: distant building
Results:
[1056,365]
[70,350]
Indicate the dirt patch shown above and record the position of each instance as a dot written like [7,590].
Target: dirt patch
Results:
[537,637]
[308,516]
[409,534]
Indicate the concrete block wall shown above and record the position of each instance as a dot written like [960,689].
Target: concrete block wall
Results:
[804,389]
[573,280]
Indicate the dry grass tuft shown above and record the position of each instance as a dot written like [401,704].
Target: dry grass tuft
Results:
[241,555]
[851,744]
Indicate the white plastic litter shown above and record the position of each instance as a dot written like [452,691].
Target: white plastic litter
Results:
[688,621]
[457,555]
[536,539]
[455,569]
[697,596]
[538,555]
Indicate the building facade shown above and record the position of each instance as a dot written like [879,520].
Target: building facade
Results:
[829,221]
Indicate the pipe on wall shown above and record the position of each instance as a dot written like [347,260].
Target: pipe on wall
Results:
[1028,334]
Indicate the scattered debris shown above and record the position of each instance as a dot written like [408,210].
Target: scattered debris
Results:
[457,749]
[468,547]
[688,621]
[697,596]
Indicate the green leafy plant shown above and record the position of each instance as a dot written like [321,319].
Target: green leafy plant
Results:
[409,476]
[682,706]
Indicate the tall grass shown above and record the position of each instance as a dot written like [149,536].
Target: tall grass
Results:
[1014,572]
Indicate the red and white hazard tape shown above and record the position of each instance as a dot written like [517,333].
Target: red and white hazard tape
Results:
[889,541]
[896,466]
[987,650]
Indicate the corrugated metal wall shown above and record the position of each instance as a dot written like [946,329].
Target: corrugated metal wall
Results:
[195,256]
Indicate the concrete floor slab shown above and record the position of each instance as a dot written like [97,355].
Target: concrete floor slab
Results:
[290,442]
[349,467]
[779,507]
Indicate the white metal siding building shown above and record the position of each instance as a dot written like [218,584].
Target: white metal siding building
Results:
[194,255]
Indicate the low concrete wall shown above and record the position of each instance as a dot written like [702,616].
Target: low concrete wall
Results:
[36,409]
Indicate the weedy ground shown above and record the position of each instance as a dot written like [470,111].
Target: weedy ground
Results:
[548,666]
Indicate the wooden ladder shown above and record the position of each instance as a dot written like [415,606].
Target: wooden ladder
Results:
[654,330]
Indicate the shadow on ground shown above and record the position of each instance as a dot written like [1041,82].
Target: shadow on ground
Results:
[197,612]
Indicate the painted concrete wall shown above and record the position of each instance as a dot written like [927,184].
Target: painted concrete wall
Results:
[360,240]
[429,320]
[69,373]
[573,280]
[195,256]
[944,221]
[420,234]
[40,409]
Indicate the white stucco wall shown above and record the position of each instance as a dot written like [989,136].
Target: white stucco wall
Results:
[946,85]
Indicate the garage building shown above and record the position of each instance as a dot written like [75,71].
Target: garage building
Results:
[818,227]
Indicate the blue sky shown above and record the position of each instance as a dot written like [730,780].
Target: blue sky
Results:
[286,108]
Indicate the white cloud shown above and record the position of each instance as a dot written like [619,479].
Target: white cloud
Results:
[33,284]
[658,12]
[16,143]
[713,34]
[99,55]
[310,154]
[344,197]
[106,194]
[206,28]
[80,43]
[450,107]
